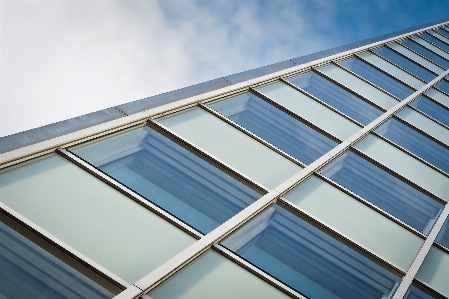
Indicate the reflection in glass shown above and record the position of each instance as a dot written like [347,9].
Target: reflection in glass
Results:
[426,53]
[384,191]
[275,126]
[434,271]
[406,64]
[416,143]
[443,236]
[171,177]
[443,85]
[308,259]
[415,293]
[336,97]
[443,32]
[29,271]
[436,41]
[432,109]
[369,73]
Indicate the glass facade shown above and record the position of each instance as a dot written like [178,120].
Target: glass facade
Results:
[327,178]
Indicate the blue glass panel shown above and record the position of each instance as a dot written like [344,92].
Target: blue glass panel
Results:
[443,86]
[415,293]
[171,177]
[443,236]
[337,97]
[385,82]
[406,64]
[432,109]
[29,271]
[416,143]
[309,260]
[276,127]
[443,32]
[384,191]
[437,59]
[436,41]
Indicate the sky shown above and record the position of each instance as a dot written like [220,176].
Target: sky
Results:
[61,59]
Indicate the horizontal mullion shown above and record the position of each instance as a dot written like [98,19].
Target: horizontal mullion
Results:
[416,62]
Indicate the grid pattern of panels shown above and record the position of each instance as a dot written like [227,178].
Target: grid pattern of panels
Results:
[252,190]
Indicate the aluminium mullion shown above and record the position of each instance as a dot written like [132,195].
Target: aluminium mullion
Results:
[252,135]
[441,247]
[257,271]
[283,80]
[436,46]
[428,59]
[424,287]
[348,89]
[416,62]
[439,36]
[427,116]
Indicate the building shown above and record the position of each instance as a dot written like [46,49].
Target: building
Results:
[324,176]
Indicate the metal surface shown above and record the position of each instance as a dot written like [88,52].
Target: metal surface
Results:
[412,59]
[428,59]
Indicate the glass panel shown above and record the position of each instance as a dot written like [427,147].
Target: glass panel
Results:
[431,47]
[443,86]
[415,293]
[364,89]
[276,127]
[438,60]
[369,73]
[440,37]
[432,109]
[384,191]
[309,260]
[337,97]
[363,225]
[171,177]
[436,41]
[443,236]
[406,64]
[214,276]
[443,32]
[438,96]
[435,271]
[415,57]
[405,165]
[416,143]
[310,110]
[392,70]
[93,218]
[232,146]
[29,271]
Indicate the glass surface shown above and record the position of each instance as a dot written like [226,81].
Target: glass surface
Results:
[443,235]
[405,165]
[29,271]
[425,124]
[214,276]
[363,225]
[392,70]
[443,32]
[432,109]
[336,97]
[276,127]
[416,143]
[369,73]
[171,177]
[439,36]
[359,86]
[309,260]
[417,58]
[437,59]
[415,293]
[443,86]
[406,64]
[91,217]
[435,271]
[384,191]
[311,110]
[232,146]
[436,41]
[431,47]
[438,96]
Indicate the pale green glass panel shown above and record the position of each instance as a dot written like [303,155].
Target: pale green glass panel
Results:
[435,270]
[214,276]
[232,147]
[310,110]
[415,57]
[405,165]
[93,218]
[393,70]
[438,96]
[431,47]
[425,124]
[359,86]
[357,221]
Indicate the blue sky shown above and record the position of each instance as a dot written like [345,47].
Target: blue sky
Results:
[61,59]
